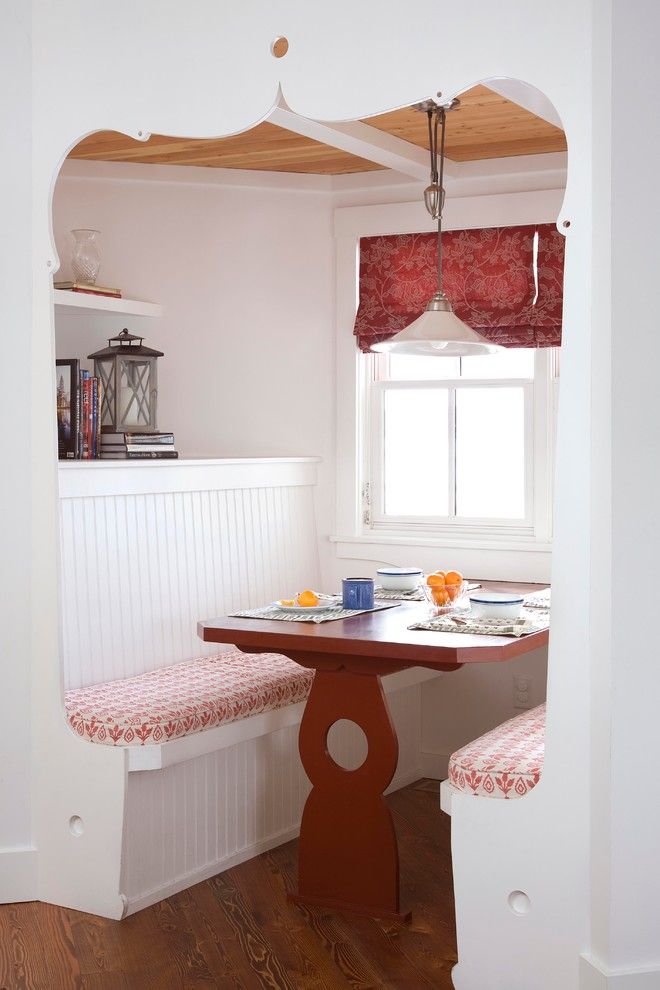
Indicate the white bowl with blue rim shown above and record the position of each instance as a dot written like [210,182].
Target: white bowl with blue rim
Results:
[495,605]
[399,578]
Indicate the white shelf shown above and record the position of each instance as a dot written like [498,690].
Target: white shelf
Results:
[69,303]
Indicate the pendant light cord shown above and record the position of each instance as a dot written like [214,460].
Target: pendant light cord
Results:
[436,118]
[440,113]
[432,115]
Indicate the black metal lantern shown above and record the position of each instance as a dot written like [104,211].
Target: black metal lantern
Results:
[126,369]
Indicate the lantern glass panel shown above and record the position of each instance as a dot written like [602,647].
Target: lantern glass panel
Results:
[105,370]
[134,392]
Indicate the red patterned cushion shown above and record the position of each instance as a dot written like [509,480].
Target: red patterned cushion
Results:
[185,698]
[506,762]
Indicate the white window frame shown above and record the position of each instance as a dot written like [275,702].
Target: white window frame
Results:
[539,400]
[493,552]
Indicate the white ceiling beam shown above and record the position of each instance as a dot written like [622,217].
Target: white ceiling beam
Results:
[526,97]
[361,140]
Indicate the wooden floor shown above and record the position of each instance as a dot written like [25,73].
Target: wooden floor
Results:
[238,931]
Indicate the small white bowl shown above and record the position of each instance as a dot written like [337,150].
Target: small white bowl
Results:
[495,605]
[399,578]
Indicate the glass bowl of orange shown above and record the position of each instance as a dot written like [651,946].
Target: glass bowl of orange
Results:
[445,591]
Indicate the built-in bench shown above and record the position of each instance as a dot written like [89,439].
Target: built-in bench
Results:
[209,745]
[184,699]
[506,762]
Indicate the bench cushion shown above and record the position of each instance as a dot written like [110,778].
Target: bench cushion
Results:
[506,762]
[185,698]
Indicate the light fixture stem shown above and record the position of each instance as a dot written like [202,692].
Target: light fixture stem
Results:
[440,113]
[432,116]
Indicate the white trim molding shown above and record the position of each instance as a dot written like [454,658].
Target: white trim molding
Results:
[79,479]
[18,874]
[594,977]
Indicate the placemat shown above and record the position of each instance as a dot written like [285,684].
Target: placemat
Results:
[526,624]
[538,599]
[274,612]
[383,595]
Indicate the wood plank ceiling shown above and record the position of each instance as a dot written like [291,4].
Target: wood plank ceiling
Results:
[486,125]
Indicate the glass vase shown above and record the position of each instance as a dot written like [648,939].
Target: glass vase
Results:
[86,258]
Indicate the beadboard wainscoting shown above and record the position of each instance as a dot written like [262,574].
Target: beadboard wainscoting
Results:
[147,551]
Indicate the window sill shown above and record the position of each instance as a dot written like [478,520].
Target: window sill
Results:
[466,542]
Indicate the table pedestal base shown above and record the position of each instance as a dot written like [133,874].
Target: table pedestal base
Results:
[348,856]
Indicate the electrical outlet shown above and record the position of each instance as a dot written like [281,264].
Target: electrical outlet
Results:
[522,691]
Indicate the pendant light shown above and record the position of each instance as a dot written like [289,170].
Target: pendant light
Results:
[438,331]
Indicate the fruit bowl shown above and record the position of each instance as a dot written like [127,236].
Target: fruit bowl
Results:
[445,598]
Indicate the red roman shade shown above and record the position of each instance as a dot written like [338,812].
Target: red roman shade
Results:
[488,275]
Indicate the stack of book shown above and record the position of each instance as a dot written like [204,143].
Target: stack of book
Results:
[92,290]
[138,446]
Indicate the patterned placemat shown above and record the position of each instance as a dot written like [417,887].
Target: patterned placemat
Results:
[381,594]
[384,595]
[274,612]
[538,599]
[526,624]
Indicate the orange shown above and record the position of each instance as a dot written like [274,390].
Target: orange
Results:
[436,580]
[453,577]
[307,599]
[440,596]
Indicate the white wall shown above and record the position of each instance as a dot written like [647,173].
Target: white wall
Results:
[626,727]
[15,313]
[245,277]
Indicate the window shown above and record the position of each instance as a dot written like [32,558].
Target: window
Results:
[459,446]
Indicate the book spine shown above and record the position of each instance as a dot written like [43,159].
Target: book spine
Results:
[99,410]
[85,418]
[78,414]
[94,417]
[95,292]
[150,438]
[160,455]
[156,447]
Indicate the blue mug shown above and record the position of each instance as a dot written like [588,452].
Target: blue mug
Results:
[357,593]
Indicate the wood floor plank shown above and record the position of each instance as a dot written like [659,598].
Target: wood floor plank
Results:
[237,931]
[217,942]
[106,981]
[334,931]
[296,943]
[255,944]
[36,948]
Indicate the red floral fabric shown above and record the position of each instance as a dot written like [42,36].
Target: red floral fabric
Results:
[504,763]
[185,698]
[488,275]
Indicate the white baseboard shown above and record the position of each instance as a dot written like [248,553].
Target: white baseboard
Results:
[248,852]
[593,976]
[435,765]
[18,875]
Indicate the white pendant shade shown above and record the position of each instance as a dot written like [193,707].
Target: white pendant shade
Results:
[438,332]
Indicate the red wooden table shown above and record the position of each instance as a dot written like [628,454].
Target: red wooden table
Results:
[348,857]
